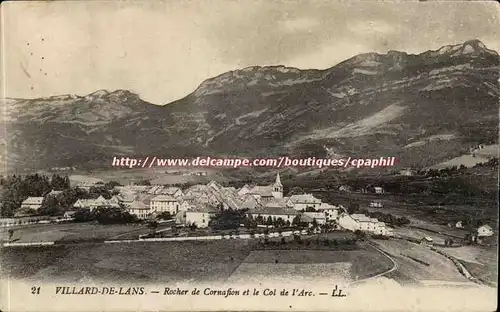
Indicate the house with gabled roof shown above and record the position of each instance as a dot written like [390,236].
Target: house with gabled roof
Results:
[172,191]
[32,203]
[92,204]
[245,189]
[164,203]
[485,231]
[139,209]
[287,214]
[200,215]
[274,190]
[303,201]
[331,212]
[284,202]
[53,193]
[250,202]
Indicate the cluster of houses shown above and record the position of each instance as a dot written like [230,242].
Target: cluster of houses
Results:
[35,203]
[198,203]
[367,189]
[364,223]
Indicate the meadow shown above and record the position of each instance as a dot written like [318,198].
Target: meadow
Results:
[73,232]
[184,262]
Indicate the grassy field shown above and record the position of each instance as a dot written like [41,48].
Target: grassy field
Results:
[256,273]
[155,175]
[419,234]
[186,261]
[417,264]
[73,231]
[482,262]
[132,262]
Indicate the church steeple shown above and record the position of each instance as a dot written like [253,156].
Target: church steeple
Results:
[278,187]
[278,180]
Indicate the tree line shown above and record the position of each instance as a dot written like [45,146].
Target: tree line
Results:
[105,215]
[16,188]
[229,219]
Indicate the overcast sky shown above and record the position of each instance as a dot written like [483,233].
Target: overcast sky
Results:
[164,50]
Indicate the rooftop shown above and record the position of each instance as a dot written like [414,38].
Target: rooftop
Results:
[274,211]
[305,198]
[170,190]
[163,198]
[33,201]
[206,208]
[138,205]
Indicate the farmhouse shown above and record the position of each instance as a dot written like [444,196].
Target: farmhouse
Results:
[347,222]
[287,214]
[91,203]
[245,190]
[139,209]
[53,193]
[200,215]
[215,185]
[376,204]
[345,188]
[372,227]
[201,194]
[407,172]
[485,231]
[379,190]
[32,203]
[163,203]
[318,216]
[155,190]
[126,198]
[114,202]
[184,205]
[172,191]
[200,173]
[85,182]
[381,229]
[331,212]
[69,214]
[250,202]
[365,224]
[302,202]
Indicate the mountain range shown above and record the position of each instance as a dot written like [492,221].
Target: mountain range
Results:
[422,109]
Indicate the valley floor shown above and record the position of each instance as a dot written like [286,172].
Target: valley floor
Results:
[228,261]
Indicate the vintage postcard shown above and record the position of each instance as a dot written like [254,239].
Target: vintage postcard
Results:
[249,155]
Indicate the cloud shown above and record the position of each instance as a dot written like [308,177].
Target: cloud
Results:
[164,50]
[298,25]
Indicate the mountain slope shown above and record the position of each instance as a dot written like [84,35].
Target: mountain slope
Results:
[368,106]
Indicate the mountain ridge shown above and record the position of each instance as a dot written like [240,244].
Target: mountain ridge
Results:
[477,45]
[370,104]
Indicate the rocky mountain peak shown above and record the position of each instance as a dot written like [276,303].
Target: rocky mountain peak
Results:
[470,48]
[372,104]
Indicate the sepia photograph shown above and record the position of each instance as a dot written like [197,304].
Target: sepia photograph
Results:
[249,155]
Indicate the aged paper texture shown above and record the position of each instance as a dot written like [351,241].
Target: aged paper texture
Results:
[249,155]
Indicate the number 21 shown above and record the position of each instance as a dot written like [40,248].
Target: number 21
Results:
[35,290]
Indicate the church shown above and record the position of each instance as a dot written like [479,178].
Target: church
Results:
[274,190]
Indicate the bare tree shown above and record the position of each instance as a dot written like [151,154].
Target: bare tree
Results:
[11,233]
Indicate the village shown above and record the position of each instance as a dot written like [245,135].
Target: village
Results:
[212,216]
[196,205]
